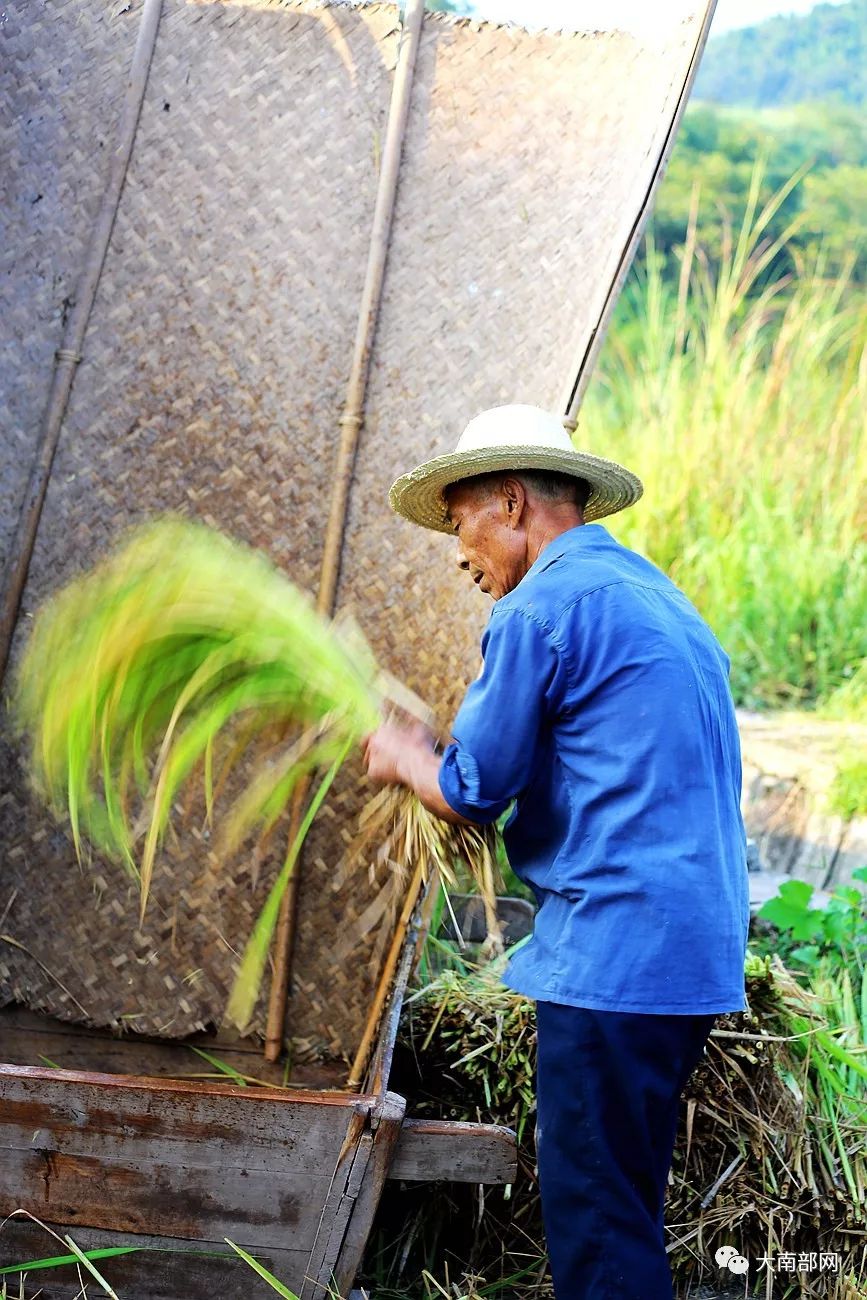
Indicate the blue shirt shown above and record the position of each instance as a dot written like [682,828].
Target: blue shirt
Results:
[603,709]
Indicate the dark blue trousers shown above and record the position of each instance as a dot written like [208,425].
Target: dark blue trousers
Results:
[607,1094]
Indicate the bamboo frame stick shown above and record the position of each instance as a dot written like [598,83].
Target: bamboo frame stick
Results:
[350,428]
[589,349]
[279,991]
[68,355]
[385,979]
[368,314]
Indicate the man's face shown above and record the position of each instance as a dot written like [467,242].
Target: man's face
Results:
[490,546]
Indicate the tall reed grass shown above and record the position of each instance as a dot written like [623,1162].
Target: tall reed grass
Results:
[742,403]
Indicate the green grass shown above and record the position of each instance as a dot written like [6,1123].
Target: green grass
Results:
[274,1283]
[743,409]
[848,794]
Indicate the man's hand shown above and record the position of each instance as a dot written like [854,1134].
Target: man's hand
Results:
[389,751]
[395,755]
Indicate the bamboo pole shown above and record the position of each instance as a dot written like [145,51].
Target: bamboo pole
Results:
[371,297]
[68,355]
[385,979]
[350,424]
[589,349]
[378,1065]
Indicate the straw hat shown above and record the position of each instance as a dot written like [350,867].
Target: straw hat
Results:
[511,437]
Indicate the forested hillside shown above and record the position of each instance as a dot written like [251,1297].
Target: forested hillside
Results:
[715,159]
[821,55]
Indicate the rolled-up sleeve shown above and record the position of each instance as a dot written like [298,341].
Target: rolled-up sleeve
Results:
[497,731]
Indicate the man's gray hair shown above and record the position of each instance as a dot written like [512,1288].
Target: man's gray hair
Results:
[547,484]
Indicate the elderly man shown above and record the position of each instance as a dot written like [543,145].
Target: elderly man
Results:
[603,714]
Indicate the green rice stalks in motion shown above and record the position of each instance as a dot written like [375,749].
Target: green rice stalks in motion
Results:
[169,665]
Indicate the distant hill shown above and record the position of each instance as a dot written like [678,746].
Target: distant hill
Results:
[821,55]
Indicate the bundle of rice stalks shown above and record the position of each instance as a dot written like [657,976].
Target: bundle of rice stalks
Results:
[771,1155]
[185,658]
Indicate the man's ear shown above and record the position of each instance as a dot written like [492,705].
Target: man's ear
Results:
[514,500]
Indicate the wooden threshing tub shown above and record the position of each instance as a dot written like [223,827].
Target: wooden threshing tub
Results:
[174,1167]
[259,257]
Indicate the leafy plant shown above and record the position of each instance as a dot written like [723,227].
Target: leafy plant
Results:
[716,152]
[848,795]
[808,934]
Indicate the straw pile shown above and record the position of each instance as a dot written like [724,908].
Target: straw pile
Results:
[771,1155]
[186,660]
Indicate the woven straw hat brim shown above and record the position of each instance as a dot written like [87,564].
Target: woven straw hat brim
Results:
[418,495]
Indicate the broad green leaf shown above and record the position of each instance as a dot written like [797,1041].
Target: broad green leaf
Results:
[807,954]
[790,910]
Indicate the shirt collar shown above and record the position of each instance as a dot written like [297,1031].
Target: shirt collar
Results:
[573,539]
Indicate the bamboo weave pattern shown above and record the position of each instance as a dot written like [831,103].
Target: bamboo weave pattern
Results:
[213,374]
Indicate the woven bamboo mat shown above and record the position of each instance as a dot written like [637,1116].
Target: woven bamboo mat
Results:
[212,383]
[62,78]
[214,368]
[522,161]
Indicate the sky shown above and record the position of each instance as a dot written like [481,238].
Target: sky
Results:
[564,13]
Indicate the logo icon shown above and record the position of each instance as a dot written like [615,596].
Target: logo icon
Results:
[728,1257]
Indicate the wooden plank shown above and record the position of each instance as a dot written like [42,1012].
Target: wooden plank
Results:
[26,1037]
[152,1198]
[352,1157]
[185,1087]
[172,1159]
[125,1106]
[163,1268]
[387,1118]
[323,1260]
[273,1139]
[431,1150]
